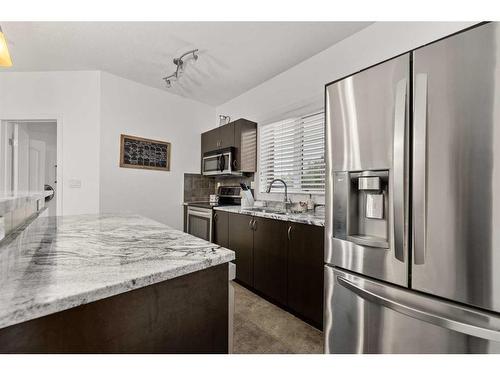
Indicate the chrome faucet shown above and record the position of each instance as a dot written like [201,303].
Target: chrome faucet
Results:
[286,188]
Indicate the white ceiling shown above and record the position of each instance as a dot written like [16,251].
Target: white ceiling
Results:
[233,58]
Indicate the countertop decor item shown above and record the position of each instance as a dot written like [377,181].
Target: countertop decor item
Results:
[180,66]
[224,120]
[143,153]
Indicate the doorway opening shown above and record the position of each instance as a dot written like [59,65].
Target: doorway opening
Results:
[29,159]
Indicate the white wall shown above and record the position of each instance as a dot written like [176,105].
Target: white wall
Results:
[73,99]
[300,89]
[94,109]
[134,109]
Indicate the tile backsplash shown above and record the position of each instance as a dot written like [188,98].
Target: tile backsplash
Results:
[197,188]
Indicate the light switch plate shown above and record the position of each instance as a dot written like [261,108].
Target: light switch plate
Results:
[75,184]
[375,206]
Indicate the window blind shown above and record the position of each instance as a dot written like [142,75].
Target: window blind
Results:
[294,150]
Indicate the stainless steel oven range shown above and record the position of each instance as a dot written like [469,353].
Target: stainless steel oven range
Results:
[199,221]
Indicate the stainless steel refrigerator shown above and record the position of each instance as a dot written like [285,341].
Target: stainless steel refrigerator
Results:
[413,201]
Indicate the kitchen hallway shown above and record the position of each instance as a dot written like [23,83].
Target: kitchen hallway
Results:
[261,327]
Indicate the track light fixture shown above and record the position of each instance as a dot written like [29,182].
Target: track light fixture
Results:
[5,60]
[179,62]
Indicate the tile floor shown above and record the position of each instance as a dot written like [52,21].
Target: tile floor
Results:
[261,327]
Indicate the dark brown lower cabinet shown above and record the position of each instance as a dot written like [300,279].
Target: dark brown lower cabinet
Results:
[221,228]
[269,258]
[241,242]
[282,261]
[305,271]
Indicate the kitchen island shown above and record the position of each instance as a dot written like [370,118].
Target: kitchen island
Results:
[111,284]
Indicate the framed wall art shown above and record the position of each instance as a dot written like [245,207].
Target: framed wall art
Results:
[143,153]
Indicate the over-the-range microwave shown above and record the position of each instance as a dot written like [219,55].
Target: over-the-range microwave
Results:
[219,163]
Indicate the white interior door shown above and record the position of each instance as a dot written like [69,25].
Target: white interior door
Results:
[21,158]
[6,157]
[36,176]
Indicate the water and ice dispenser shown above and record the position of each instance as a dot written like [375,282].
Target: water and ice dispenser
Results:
[361,207]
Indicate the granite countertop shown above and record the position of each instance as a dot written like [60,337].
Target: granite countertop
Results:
[303,218]
[9,202]
[57,263]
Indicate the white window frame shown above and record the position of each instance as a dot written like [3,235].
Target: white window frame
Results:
[291,138]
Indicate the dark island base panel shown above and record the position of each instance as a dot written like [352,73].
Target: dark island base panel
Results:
[188,314]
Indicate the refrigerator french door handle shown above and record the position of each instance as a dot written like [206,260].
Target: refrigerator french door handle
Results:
[419,312]
[420,166]
[398,178]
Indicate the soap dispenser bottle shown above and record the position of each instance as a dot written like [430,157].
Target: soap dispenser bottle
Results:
[310,203]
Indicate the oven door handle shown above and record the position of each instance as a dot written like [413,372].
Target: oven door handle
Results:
[201,212]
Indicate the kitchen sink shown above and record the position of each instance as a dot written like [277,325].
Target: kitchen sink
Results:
[267,210]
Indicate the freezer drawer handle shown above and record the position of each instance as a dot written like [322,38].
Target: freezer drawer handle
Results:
[398,178]
[420,165]
[419,313]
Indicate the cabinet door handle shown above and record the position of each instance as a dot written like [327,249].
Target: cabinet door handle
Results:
[250,224]
[254,224]
[289,233]
[215,216]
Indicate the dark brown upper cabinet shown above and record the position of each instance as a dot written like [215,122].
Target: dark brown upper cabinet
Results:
[226,136]
[210,141]
[240,134]
[245,143]
[218,138]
